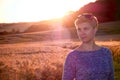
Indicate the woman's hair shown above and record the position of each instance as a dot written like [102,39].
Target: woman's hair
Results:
[87,17]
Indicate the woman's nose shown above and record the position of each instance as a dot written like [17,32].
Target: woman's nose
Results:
[82,32]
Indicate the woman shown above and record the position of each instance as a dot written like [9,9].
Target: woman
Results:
[89,61]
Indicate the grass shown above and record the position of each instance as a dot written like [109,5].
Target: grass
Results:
[43,60]
[117,70]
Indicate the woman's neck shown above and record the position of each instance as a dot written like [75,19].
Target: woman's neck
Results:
[89,46]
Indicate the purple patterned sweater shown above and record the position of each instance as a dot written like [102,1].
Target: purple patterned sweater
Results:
[89,65]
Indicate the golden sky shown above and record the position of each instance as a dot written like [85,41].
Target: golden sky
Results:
[37,10]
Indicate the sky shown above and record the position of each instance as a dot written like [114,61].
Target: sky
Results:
[37,10]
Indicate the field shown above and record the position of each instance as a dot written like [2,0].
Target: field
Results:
[41,55]
[43,60]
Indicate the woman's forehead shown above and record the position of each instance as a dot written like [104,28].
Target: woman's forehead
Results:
[85,24]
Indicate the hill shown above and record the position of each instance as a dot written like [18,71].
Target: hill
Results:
[16,26]
[107,31]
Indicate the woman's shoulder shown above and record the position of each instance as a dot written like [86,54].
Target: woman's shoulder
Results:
[106,49]
[72,53]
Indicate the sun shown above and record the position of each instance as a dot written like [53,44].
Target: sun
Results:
[37,10]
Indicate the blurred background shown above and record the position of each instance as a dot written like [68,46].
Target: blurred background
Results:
[36,35]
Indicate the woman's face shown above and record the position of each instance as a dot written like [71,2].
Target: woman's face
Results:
[86,32]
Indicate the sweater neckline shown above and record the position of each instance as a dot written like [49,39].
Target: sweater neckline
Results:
[90,51]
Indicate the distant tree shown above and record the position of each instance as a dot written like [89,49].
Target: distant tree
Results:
[3,33]
[13,30]
[118,9]
[17,31]
[113,7]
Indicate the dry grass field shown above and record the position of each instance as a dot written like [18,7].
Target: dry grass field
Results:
[43,60]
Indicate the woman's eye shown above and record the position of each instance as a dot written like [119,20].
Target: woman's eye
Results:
[79,29]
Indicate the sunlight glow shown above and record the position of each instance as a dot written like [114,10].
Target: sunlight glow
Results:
[37,10]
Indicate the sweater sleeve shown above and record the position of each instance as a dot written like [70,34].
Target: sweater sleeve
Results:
[111,74]
[69,67]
